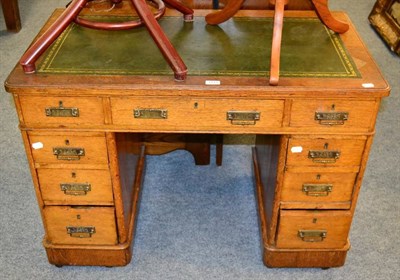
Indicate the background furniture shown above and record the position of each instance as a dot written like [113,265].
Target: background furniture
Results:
[385,18]
[11,15]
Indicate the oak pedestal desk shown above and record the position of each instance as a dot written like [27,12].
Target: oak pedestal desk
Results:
[88,121]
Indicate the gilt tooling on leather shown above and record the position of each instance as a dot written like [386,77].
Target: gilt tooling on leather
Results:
[238,47]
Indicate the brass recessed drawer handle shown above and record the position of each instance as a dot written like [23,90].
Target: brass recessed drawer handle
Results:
[324,156]
[81,232]
[68,153]
[312,235]
[150,113]
[61,111]
[75,189]
[331,118]
[243,117]
[317,189]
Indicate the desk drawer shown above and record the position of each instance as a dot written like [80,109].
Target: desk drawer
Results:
[77,148]
[325,152]
[75,187]
[325,188]
[190,113]
[243,114]
[313,229]
[80,225]
[41,111]
[333,114]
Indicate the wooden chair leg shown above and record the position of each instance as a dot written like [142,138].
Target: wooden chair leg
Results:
[167,49]
[38,47]
[72,11]
[187,12]
[276,42]
[226,13]
[321,7]
[11,15]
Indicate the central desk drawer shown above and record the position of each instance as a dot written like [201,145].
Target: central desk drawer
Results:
[75,187]
[191,113]
[80,225]
[76,148]
[308,229]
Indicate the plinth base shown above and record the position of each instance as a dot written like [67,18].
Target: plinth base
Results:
[273,257]
[118,255]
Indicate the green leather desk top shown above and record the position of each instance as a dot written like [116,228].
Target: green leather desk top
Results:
[238,47]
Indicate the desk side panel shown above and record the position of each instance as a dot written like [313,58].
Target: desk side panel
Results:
[268,156]
[126,166]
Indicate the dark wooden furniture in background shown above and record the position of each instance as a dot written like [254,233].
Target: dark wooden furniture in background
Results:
[385,18]
[11,15]
[86,141]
